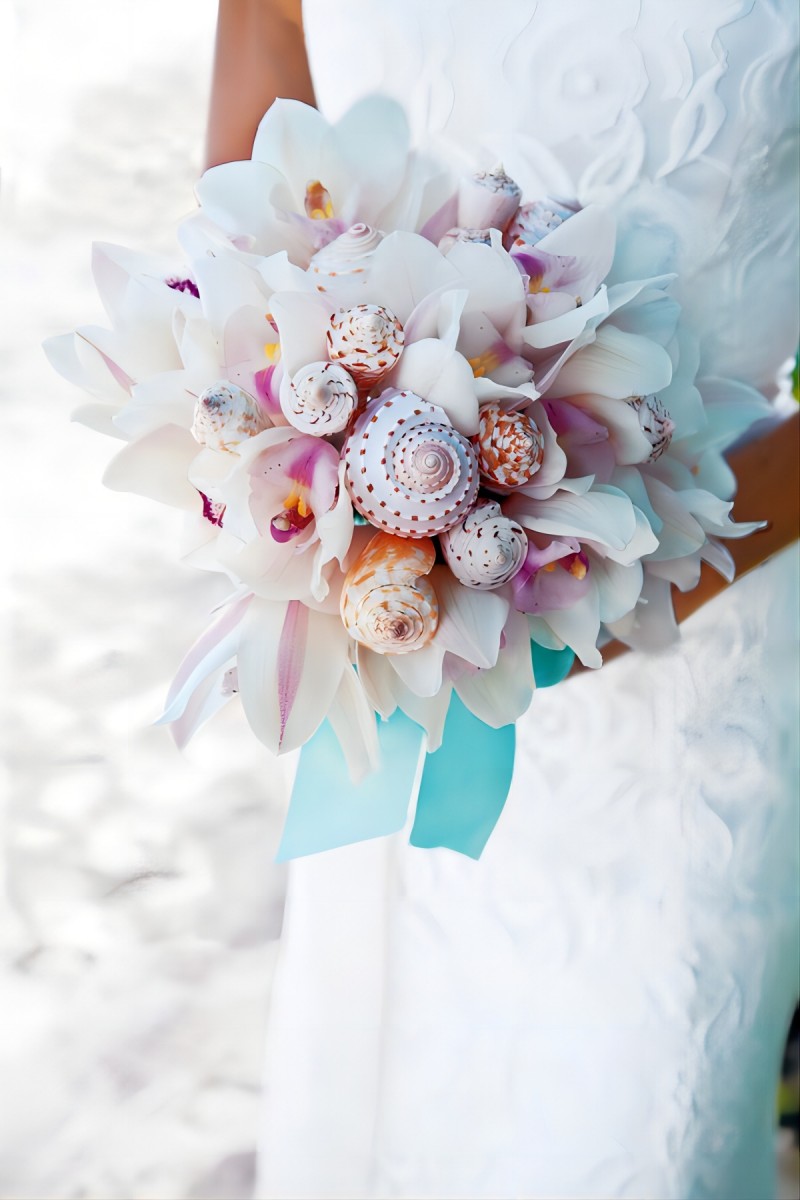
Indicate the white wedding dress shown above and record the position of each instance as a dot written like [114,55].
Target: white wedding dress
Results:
[596,1008]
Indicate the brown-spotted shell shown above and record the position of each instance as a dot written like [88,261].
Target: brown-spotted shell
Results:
[321,399]
[510,448]
[387,604]
[408,471]
[655,422]
[367,340]
[225,415]
[482,237]
[487,200]
[486,549]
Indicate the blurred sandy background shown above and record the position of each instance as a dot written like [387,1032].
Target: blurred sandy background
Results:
[140,905]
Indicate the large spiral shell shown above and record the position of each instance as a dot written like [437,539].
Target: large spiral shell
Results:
[486,549]
[347,255]
[321,399]
[386,603]
[656,423]
[407,469]
[225,416]
[367,340]
[510,448]
[488,200]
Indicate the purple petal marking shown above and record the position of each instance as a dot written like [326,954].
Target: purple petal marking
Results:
[122,377]
[443,219]
[291,659]
[212,636]
[184,285]
[213,510]
[267,390]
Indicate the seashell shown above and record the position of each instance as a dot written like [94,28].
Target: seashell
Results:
[225,415]
[386,602]
[486,549]
[347,255]
[457,234]
[487,200]
[534,221]
[656,423]
[367,340]
[407,469]
[510,448]
[321,399]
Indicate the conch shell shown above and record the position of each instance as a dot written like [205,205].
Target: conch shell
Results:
[510,448]
[346,257]
[487,200]
[321,399]
[486,549]
[386,602]
[656,423]
[367,340]
[407,469]
[225,415]
[457,234]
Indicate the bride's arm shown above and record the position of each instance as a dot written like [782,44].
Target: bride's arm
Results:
[260,54]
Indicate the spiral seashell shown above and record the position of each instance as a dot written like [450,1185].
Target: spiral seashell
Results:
[367,340]
[347,255]
[534,221]
[487,200]
[225,416]
[386,602]
[510,448]
[321,400]
[486,549]
[481,236]
[407,469]
[656,423]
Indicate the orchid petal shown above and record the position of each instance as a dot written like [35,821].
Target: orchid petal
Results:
[302,320]
[501,694]
[616,364]
[578,627]
[471,622]
[157,466]
[352,718]
[442,377]
[324,659]
[215,646]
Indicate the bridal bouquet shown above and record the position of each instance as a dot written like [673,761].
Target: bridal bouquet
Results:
[438,438]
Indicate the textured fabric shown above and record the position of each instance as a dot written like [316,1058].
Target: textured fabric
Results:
[597,1007]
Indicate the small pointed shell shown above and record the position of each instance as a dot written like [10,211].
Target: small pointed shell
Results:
[510,448]
[346,257]
[487,200]
[486,549]
[534,221]
[457,234]
[407,469]
[387,603]
[656,423]
[367,340]
[321,399]
[225,416]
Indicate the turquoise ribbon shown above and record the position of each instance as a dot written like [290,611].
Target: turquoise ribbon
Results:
[327,809]
[462,793]
[550,666]
[464,784]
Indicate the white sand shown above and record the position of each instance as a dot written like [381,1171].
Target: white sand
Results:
[141,905]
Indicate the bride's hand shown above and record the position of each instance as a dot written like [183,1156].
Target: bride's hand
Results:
[260,54]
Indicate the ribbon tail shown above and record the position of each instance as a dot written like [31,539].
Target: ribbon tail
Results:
[550,666]
[327,809]
[464,784]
